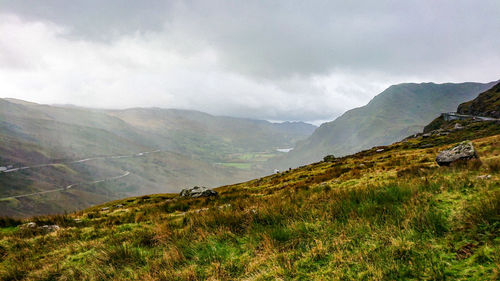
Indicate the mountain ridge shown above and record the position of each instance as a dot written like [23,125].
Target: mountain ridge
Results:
[397,112]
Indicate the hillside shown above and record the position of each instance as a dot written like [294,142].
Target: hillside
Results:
[397,112]
[388,213]
[190,148]
[211,137]
[486,104]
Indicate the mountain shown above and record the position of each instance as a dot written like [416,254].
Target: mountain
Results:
[386,213]
[86,145]
[211,137]
[397,112]
[486,104]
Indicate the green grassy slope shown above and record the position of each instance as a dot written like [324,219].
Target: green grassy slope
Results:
[397,112]
[375,215]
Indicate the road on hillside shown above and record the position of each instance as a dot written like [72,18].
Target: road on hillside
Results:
[67,187]
[139,154]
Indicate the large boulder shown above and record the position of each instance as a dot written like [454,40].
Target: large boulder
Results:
[463,151]
[197,191]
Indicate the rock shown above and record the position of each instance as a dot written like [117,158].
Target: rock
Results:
[426,135]
[105,209]
[30,225]
[50,228]
[457,127]
[119,206]
[463,151]
[197,191]
[379,150]
[484,177]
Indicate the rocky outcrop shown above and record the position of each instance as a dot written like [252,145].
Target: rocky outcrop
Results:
[198,191]
[45,228]
[463,151]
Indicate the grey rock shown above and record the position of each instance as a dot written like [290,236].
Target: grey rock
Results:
[198,191]
[484,177]
[463,151]
[30,225]
[458,127]
[50,228]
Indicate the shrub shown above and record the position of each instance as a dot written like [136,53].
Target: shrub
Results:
[329,158]
[9,222]
[494,165]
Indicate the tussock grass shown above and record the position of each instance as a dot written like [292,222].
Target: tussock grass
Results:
[393,215]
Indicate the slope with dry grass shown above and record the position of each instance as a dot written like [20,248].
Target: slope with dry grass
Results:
[376,215]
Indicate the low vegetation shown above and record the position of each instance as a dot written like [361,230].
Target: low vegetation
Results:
[383,214]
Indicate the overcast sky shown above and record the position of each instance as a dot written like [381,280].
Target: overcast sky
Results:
[275,60]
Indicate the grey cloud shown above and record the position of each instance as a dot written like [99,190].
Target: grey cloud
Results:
[279,60]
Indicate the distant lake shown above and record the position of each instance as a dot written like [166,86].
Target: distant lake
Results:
[284,149]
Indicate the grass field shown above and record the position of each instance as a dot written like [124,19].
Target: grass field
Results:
[387,215]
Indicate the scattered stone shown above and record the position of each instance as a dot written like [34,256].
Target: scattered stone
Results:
[463,151]
[379,150]
[224,206]
[426,135]
[50,228]
[484,177]
[119,206]
[198,191]
[458,127]
[105,209]
[30,225]
[276,171]
[78,220]
[201,210]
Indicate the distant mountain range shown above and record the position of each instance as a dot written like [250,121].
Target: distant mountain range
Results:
[397,112]
[193,148]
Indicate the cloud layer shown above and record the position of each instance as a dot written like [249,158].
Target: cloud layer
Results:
[286,60]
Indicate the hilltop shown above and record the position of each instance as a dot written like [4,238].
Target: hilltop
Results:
[397,112]
[384,213]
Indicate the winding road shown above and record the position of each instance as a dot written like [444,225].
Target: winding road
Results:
[139,154]
[65,188]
